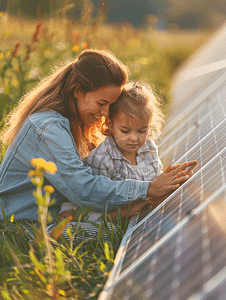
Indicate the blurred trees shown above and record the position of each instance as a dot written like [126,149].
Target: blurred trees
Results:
[191,14]
[40,8]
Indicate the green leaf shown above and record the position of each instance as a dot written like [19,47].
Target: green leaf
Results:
[57,231]
[106,251]
[78,247]
[69,232]
[82,212]
[5,295]
[12,218]
[6,222]
[102,266]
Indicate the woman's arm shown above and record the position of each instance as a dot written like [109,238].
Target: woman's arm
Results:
[76,181]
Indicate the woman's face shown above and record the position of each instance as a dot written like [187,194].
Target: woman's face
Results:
[95,104]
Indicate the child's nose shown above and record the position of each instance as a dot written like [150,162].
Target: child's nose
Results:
[133,137]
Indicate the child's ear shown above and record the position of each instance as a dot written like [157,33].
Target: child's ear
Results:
[109,125]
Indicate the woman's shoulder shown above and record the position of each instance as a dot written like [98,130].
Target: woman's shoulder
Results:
[44,117]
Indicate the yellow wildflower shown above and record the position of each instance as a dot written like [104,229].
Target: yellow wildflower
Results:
[48,287]
[61,292]
[48,188]
[41,163]
[50,167]
[75,48]
[1,55]
[35,173]
[7,54]
[38,162]
[47,52]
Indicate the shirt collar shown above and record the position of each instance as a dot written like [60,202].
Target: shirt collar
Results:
[116,154]
[111,145]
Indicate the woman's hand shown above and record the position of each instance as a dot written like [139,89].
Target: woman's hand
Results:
[170,179]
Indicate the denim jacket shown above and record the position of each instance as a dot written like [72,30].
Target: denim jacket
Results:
[46,134]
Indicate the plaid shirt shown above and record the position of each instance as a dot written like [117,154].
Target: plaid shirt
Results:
[107,160]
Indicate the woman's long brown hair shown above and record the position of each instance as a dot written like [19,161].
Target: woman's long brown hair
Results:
[91,70]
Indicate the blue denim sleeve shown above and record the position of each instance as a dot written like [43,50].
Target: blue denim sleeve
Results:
[75,181]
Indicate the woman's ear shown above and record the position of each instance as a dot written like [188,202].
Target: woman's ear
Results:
[109,125]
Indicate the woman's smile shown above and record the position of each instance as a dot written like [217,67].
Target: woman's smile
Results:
[96,117]
[95,104]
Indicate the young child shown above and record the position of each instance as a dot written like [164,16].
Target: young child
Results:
[129,150]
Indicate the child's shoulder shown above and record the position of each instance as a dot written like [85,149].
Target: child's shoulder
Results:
[150,143]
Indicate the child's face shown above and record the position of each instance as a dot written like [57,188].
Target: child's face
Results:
[129,133]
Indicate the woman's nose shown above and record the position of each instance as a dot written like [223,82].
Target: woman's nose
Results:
[105,110]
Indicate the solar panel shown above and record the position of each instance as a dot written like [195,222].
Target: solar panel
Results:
[210,53]
[152,228]
[181,244]
[199,106]
[177,250]
[181,264]
[184,109]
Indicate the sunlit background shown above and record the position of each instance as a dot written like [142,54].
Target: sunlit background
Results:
[153,38]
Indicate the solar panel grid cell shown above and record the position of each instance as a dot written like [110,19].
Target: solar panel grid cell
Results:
[183,264]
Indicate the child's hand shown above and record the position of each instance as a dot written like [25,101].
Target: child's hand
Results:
[170,179]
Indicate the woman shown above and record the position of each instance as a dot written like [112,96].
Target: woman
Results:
[59,121]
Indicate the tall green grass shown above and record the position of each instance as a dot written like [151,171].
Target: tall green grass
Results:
[37,265]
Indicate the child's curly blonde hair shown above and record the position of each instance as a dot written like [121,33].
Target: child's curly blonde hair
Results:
[141,102]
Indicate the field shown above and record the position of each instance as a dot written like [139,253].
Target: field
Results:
[34,268]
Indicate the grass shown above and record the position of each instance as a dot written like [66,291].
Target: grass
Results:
[36,265]
[43,267]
